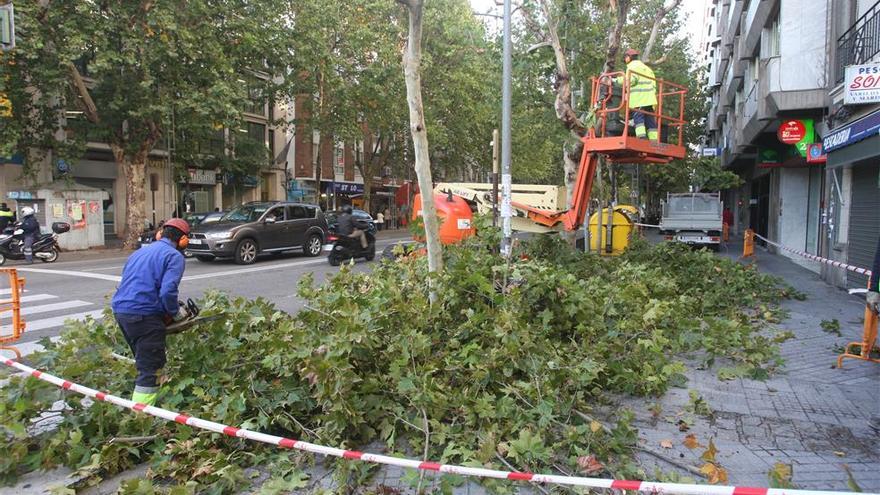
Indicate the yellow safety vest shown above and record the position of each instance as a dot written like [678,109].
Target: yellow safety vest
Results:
[642,86]
[5,213]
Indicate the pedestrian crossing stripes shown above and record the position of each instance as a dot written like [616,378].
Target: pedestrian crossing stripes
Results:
[44,315]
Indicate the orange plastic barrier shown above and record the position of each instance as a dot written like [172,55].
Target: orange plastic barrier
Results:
[869,340]
[725,232]
[13,305]
[749,243]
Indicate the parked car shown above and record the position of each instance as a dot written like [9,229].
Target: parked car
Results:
[254,228]
[357,214]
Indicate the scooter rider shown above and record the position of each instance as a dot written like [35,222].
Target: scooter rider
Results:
[31,228]
[146,298]
[345,225]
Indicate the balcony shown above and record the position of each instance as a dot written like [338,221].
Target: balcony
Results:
[732,22]
[860,43]
[754,21]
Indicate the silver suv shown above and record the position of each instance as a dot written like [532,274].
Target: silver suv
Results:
[260,227]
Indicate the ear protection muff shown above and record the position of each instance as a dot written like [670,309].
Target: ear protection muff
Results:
[182,243]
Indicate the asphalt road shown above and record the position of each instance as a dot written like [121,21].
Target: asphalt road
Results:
[74,288]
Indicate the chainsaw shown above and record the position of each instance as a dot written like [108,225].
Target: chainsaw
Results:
[192,318]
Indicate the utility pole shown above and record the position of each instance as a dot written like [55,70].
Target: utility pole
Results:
[505,135]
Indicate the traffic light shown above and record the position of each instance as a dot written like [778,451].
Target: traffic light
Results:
[7,27]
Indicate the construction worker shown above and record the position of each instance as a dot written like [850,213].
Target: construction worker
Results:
[146,299]
[6,216]
[642,94]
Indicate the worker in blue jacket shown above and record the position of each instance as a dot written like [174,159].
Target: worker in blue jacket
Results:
[146,299]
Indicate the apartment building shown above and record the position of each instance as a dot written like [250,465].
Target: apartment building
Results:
[776,80]
[852,143]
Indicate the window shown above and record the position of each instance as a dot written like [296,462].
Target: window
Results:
[770,40]
[339,158]
[277,212]
[272,144]
[256,103]
[257,132]
[297,213]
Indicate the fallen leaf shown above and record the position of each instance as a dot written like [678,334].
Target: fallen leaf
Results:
[590,465]
[709,454]
[683,425]
[666,444]
[595,426]
[780,476]
[839,453]
[715,473]
[690,441]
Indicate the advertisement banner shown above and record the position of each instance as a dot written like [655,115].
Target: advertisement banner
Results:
[861,84]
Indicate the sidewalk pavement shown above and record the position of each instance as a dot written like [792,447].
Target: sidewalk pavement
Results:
[809,415]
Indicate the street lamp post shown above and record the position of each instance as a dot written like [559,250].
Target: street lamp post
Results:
[505,135]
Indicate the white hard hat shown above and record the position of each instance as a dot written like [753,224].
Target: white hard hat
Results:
[27,210]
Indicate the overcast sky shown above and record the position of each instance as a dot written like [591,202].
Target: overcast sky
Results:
[693,9]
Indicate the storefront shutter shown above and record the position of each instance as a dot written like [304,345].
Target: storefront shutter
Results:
[864,223]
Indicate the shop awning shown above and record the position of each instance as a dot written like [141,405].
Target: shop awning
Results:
[848,155]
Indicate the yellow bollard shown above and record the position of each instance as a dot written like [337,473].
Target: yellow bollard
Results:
[869,339]
[749,243]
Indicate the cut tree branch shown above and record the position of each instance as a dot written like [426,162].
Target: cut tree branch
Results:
[89,108]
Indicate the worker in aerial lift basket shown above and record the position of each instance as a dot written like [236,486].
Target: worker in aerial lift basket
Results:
[642,95]
[146,300]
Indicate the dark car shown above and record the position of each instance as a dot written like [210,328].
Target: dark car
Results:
[260,227]
[359,215]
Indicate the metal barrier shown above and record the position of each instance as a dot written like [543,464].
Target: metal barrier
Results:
[11,333]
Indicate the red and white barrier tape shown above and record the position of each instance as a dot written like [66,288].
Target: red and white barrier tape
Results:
[646,225]
[818,259]
[287,443]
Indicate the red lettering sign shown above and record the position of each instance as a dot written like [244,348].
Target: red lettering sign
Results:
[791,131]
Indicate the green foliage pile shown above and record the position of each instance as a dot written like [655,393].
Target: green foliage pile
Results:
[503,368]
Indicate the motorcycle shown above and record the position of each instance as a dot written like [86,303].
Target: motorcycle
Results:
[346,248]
[45,246]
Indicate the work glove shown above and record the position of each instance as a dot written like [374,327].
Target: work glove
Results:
[873,300]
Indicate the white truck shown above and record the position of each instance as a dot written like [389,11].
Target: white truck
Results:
[693,218]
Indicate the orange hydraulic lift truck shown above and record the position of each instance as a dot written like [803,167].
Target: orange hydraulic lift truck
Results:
[538,208]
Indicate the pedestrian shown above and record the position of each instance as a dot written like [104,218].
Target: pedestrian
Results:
[389,219]
[146,299]
[380,220]
[642,95]
[31,229]
[6,216]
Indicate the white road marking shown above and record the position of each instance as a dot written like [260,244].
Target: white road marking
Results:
[74,273]
[57,321]
[8,290]
[103,268]
[46,308]
[253,269]
[37,297]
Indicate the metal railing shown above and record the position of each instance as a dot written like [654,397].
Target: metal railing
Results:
[860,43]
[750,104]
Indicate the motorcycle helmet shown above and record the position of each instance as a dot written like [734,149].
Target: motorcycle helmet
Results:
[347,209]
[27,211]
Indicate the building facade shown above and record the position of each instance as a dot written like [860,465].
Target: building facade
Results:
[783,119]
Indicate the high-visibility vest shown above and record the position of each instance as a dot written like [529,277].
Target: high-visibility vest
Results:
[6,213]
[642,86]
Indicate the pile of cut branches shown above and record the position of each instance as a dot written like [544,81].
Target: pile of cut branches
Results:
[502,369]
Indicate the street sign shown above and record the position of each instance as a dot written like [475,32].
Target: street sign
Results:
[7,27]
[861,84]
[815,153]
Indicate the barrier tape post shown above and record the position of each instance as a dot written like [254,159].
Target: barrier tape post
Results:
[288,443]
[13,304]
[725,232]
[749,244]
[869,338]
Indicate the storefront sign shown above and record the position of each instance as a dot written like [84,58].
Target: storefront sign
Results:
[852,133]
[815,154]
[710,151]
[20,195]
[791,131]
[202,176]
[348,188]
[861,84]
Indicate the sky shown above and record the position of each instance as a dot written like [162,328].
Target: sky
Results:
[693,9]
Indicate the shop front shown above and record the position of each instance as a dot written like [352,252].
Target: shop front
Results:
[853,157]
[198,191]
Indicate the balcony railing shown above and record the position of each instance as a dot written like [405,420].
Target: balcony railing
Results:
[750,106]
[860,43]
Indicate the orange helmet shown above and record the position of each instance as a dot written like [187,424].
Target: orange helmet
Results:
[179,224]
[631,52]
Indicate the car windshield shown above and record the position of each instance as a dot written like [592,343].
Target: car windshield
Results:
[245,213]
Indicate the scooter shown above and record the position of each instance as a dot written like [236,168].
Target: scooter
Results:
[45,246]
[346,248]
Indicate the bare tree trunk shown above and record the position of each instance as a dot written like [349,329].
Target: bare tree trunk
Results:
[412,59]
[621,8]
[135,170]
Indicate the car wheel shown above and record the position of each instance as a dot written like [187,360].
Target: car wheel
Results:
[313,245]
[205,258]
[246,252]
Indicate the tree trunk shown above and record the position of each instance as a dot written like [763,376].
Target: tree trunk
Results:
[655,29]
[135,170]
[622,11]
[412,58]
[368,192]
